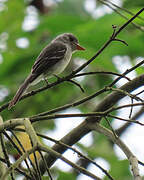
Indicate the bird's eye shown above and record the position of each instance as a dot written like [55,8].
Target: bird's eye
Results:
[71,39]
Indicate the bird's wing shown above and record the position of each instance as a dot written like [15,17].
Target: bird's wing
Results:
[48,57]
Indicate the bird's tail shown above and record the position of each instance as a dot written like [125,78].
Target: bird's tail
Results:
[21,90]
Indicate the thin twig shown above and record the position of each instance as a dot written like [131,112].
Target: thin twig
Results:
[6,155]
[127,120]
[131,109]
[47,169]
[122,41]
[122,129]
[37,171]
[132,96]
[141,163]
[122,15]
[110,127]
[101,72]
[132,159]
[20,144]
[139,93]
[18,170]
[79,153]
[77,84]
[126,72]
[123,106]
[124,9]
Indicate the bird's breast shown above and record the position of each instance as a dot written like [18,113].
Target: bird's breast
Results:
[62,64]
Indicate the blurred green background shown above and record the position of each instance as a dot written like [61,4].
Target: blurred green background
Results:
[27,26]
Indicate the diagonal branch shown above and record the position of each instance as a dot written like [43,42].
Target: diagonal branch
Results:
[58,155]
[132,159]
[107,3]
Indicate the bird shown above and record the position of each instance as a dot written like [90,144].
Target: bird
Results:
[52,61]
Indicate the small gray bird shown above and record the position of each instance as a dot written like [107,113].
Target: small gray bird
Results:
[52,60]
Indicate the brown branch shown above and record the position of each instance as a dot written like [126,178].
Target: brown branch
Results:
[131,157]
[122,15]
[122,129]
[124,106]
[101,72]
[122,41]
[56,116]
[77,84]
[122,27]
[127,120]
[126,72]
[132,96]
[124,9]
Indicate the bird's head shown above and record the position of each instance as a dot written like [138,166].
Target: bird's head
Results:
[71,40]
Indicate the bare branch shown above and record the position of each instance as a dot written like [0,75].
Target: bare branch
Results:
[132,159]
[126,72]
[58,155]
[122,15]
[127,120]
[77,84]
[122,41]
[101,72]
[73,149]
[120,130]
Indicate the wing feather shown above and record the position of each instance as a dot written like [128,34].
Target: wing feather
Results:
[49,56]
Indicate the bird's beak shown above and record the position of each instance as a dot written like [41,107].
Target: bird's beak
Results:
[80,48]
